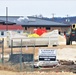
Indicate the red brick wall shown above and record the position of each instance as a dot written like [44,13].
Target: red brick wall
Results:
[61,29]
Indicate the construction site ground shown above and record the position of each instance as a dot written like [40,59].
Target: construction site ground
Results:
[66,55]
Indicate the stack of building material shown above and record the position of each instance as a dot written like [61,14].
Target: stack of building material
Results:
[46,40]
[61,38]
[33,35]
[49,34]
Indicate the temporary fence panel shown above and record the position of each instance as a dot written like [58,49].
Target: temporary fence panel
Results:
[15,58]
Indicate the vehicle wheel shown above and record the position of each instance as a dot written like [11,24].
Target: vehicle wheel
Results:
[67,41]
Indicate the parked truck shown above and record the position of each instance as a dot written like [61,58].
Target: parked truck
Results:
[71,34]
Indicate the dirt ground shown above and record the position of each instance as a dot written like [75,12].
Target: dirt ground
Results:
[64,53]
[35,73]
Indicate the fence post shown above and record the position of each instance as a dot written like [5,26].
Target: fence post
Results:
[12,46]
[21,57]
[33,54]
[3,51]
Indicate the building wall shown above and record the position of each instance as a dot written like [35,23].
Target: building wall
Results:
[61,29]
[3,33]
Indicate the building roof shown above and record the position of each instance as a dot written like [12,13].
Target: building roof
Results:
[11,27]
[11,20]
[32,21]
[40,21]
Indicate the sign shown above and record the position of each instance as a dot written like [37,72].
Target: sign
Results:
[47,55]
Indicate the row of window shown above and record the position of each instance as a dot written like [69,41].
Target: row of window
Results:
[2,32]
[48,28]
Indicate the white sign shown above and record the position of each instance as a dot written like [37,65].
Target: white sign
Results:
[47,54]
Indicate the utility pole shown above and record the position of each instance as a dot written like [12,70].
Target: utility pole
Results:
[53,16]
[67,19]
[6,18]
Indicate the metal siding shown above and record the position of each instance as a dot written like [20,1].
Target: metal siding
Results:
[38,22]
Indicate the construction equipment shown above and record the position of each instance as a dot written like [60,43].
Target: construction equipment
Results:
[71,34]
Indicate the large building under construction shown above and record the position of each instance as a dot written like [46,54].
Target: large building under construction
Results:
[30,23]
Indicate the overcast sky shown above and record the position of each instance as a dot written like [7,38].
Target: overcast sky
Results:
[60,8]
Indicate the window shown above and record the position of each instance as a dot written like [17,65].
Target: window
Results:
[18,31]
[47,28]
[25,28]
[2,33]
[40,27]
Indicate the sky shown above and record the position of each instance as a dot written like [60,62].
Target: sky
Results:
[46,8]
